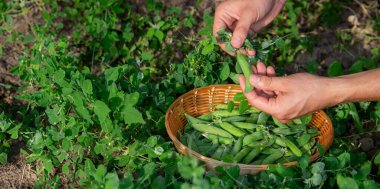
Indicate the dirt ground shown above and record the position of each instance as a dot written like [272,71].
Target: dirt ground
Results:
[19,174]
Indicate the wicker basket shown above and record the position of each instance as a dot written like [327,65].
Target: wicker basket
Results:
[201,101]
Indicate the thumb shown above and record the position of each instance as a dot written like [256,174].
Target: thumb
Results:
[241,30]
[266,83]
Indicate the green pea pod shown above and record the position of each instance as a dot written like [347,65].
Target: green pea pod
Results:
[251,138]
[208,149]
[285,131]
[262,119]
[253,110]
[254,152]
[292,147]
[237,146]
[219,139]
[258,161]
[247,71]
[234,118]
[303,139]
[194,120]
[273,157]
[287,159]
[204,128]
[255,117]
[245,125]
[269,151]
[218,152]
[226,151]
[225,113]
[297,121]
[279,141]
[232,129]
[206,117]
[241,154]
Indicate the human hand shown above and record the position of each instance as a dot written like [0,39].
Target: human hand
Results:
[287,97]
[243,17]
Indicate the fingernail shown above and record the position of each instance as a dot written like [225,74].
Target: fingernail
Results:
[236,42]
[254,79]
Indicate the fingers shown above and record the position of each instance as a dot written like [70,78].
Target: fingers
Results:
[262,70]
[267,83]
[271,72]
[270,16]
[241,29]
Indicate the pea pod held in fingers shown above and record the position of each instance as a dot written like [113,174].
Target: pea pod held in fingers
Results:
[247,71]
[211,129]
[232,129]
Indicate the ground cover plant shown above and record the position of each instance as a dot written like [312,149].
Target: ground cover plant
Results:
[85,86]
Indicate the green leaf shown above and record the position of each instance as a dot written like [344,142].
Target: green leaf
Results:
[112,181]
[377,159]
[48,166]
[316,179]
[370,184]
[230,48]
[65,169]
[131,99]
[335,69]
[3,158]
[346,182]
[53,116]
[230,106]
[363,171]
[100,148]
[239,97]
[132,115]
[86,86]
[14,131]
[320,149]
[243,106]
[147,55]
[304,161]
[101,110]
[28,38]
[284,171]
[225,73]
[344,158]
[159,34]
[317,167]
[208,49]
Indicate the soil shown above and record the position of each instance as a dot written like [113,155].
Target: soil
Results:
[20,174]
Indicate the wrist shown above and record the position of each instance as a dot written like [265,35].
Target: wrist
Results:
[337,91]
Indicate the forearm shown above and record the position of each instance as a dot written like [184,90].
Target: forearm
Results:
[363,86]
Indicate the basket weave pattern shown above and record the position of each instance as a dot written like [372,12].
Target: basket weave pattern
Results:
[202,100]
